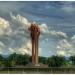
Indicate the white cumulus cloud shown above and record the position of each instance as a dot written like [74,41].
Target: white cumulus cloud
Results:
[4,27]
[45,30]
[73,37]
[58,34]
[21,20]
[65,47]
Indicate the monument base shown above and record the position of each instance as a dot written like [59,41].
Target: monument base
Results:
[37,64]
[40,65]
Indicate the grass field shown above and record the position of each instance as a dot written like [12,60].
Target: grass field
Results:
[37,70]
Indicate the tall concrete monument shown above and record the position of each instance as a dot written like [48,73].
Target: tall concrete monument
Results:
[35,32]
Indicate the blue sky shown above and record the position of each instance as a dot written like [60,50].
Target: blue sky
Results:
[55,19]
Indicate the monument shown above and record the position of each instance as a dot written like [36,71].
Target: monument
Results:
[35,33]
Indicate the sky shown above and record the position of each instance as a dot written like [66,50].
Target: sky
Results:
[56,20]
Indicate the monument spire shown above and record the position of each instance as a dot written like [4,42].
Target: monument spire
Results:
[35,32]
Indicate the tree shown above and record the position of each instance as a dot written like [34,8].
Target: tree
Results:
[1,61]
[72,60]
[22,59]
[56,61]
[16,59]
[11,60]
[43,60]
[30,59]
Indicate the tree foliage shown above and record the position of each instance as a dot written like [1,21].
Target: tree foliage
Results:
[55,61]
[1,61]
[43,60]
[22,59]
[72,60]
[11,60]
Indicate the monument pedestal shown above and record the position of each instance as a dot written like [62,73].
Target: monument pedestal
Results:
[40,65]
